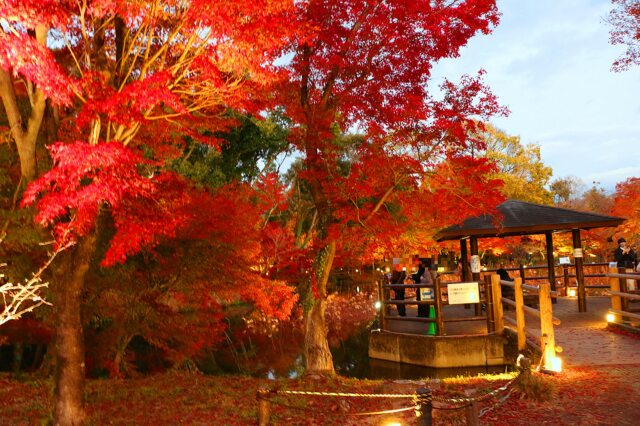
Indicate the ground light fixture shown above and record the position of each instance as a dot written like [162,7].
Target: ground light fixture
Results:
[611,317]
[377,305]
[556,364]
[571,292]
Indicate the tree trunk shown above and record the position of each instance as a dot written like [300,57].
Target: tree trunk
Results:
[24,132]
[316,346]
[69,342]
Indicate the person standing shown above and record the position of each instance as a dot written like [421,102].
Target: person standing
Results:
[624,255]
[398,277]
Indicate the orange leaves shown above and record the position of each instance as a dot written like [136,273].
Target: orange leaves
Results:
[626,204]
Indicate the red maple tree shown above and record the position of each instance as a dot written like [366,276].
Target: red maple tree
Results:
[624,19]
[366,65]
[126,81]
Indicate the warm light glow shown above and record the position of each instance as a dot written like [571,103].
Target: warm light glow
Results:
[357,289]
[378,305]
[556,364]
[356,270]
[388,269]
[393,424]
[572,292]
[611,318]
[440,268]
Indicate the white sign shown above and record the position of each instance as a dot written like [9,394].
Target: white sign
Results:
[460,293]
[564,261]
[475,264]
[577,252]
[613,264]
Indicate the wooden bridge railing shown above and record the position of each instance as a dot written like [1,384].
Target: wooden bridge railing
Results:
[437,302]
[621,313]
[564,276]
[491,298]
[545,313]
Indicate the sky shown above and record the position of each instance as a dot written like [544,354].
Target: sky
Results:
[549,62]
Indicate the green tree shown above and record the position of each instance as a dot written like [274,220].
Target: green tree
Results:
[521,169]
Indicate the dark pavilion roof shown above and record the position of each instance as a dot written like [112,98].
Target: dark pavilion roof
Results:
[523,218]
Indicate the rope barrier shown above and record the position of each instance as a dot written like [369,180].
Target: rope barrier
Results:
[370,413]
[343,394]
[477,398]
[374,413]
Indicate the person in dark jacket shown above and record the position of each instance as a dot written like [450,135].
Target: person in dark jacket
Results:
[507,291]
[398,277]
[624,255]
[423,268]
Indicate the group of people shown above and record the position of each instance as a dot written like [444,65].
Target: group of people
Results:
[422,276]
[624,255]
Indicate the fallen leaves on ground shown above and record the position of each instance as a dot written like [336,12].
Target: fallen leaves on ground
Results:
[582,395]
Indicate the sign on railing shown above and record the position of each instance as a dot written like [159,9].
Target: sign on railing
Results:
[461,293]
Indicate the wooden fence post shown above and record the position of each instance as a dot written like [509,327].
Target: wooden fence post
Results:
[498,313]
[546,325]
[565,272]
[263,407]
[624,302]
[488,301]
[472,414]
[616,301]
[438,305]
[424,407]
[383,307]
[523,273]
[522,337]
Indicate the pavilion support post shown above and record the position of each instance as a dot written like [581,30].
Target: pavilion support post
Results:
[551,264]
[475,276]
[577,256]
[464,260]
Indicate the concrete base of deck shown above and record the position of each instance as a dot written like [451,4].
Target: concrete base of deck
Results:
[437,351]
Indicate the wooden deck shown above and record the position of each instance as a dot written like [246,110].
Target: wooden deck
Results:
[583,336]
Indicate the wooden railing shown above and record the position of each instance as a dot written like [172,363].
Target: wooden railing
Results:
[491,298]
[621,313]
[545,313]
[562,273]
[437,302]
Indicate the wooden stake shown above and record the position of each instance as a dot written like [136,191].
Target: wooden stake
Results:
[614,285]
[498,313]
[522,337]
[263,407]
[546,325]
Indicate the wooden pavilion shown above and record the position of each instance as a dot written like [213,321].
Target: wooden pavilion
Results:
[523,218]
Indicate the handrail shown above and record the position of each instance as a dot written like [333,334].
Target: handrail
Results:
[624,313]
[625,295]
[530,310]
[525,286]
[627,276]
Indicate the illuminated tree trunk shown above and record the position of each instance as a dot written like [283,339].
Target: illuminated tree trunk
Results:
[24,132]
[316,346]
[69,342]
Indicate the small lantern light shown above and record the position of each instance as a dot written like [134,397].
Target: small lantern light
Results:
[611,317]
[377,305]
[556,364]
[572,292]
